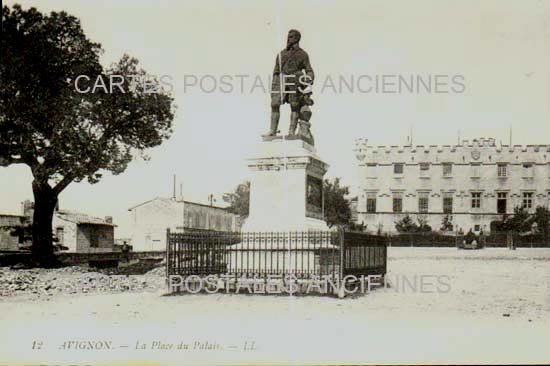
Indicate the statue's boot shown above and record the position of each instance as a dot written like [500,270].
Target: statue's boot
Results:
[293,123]
[274,124]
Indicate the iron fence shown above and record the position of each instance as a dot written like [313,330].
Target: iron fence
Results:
[428,239]
[493,239]
[259,255]
[363,254]
[514,239]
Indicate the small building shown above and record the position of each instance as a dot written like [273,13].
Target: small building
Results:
[152,218]
[83,233]
[79,232]
[8,223]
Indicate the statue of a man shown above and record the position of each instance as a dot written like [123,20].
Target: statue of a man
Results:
[292,80]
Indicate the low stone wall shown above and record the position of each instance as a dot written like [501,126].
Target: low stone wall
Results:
[12,258]
[84,258]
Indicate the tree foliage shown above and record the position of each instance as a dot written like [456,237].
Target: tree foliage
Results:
[63,135]
[542,220]
[239,200]
[407,225]
[446,224]
[422,226]
[337,207]
[521,221]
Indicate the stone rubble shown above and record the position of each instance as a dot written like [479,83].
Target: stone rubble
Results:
[40,282]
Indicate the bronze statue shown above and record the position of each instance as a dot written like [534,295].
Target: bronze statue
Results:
[292,80]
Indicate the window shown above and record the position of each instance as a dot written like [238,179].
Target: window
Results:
[397,202]
[424,169]
[423,201]
[448,203]
[475,170]
[59,235]
[447,169]
[398,168]
[371,203]
[527,170]
[501,202]
[190,219]
[94,239]
[502,170]
[528,200]
[371,170]
[477,227]
[476,199]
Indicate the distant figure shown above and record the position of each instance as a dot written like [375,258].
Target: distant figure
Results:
[125,252]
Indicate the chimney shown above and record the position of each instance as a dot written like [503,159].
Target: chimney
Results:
[109,219]
[27,209]
[174,189]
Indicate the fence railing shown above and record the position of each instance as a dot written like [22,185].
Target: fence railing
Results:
[304,255]
[421,240]
[497,240]
[502,240]
[363,254]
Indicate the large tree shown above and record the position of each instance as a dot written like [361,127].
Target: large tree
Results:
[62,134]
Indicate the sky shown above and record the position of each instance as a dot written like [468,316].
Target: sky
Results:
[500,49]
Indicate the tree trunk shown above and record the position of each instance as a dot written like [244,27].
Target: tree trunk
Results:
[45,200]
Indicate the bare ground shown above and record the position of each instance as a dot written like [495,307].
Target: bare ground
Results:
[494,307]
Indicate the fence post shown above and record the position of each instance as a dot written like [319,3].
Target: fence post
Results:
[456,240]
[341,242]
[167,256]
[341,293]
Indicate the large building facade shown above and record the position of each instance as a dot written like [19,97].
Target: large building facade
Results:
[470,184]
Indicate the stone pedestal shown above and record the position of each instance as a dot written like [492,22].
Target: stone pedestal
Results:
[286,187]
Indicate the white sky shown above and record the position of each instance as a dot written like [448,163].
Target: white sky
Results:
[502,48]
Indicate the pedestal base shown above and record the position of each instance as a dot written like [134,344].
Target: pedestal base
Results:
[299,259]
[286,188]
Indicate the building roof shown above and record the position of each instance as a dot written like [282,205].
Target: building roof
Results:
[11,215]
[177,201]
[9,220]
[80,218]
